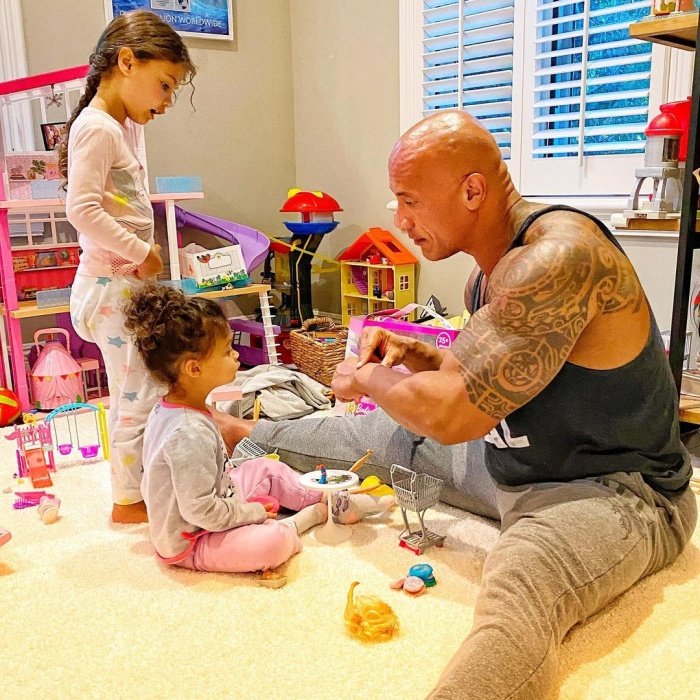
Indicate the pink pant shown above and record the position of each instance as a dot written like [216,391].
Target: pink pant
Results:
[255,547]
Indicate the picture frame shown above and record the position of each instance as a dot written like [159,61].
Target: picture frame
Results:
[51,133]
[203,19]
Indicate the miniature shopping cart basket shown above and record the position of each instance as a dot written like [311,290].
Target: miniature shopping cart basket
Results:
[416,492]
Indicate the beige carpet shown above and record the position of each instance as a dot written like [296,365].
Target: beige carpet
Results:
[87,612]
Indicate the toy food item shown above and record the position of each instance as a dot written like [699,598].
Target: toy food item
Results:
[272,579]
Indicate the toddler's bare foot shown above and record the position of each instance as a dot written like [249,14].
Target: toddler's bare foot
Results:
[133,513]
[233,429]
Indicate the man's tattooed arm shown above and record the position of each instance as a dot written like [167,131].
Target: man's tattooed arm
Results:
[540,298]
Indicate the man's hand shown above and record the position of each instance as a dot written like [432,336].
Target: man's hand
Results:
[152,266]
[380,345]
[383,346]
[344,384]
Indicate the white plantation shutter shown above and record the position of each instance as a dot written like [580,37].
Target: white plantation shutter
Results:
[529,70]
[589,96]
[468,61]
[608,82]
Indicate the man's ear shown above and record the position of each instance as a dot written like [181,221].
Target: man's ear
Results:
[125,60]
[474,191]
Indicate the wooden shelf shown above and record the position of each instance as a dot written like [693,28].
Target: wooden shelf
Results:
[689,409]
[639,224]
[61,203]
[44,269]
[29,309]
[679,31]
[236,291]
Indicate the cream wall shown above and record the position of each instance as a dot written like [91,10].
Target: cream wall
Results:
[345,58]
[240,139]
[306,96]
[345,63]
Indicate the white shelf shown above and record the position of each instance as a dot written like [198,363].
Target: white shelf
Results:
[26,204]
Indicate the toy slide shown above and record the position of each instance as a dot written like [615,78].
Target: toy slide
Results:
[38,468]
[254,244]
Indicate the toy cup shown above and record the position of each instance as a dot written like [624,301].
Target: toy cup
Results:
[48,509]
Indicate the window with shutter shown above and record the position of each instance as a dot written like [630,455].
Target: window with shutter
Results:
[588,97]
[564,90]
[608,83]
[468,61]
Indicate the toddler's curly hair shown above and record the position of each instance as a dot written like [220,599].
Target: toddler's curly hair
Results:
[167,326]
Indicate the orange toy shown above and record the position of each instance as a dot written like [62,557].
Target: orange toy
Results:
[369,618]
[10,407]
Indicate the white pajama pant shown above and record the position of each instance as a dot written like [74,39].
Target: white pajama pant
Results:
[95,308]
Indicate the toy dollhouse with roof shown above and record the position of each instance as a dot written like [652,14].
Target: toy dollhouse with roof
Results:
[377,272]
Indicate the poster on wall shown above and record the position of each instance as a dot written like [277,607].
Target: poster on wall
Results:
[204,19]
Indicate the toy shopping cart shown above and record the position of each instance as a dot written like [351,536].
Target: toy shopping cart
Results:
[416,492]
[246,449]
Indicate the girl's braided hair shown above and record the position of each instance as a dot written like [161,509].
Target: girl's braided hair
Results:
[149,37]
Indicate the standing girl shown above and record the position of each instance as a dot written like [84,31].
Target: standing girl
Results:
[138,64]
[201,510]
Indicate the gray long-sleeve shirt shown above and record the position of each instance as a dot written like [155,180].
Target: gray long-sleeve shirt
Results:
[186,483]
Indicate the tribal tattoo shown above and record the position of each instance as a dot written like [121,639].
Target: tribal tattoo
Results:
[539,300]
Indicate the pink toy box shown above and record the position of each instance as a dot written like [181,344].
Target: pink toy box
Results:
[393,320]
[441,336]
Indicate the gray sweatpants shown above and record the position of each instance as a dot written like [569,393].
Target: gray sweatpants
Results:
[565,550]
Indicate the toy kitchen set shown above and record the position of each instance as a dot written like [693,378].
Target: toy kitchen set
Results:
[40,271]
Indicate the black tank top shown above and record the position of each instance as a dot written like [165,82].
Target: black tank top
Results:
[588,422]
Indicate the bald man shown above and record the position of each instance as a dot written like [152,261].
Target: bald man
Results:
[554,411]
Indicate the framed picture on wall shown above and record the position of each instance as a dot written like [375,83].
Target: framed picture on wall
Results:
[203,19]
[51,134]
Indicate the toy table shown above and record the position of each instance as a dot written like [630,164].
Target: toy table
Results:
[331,532]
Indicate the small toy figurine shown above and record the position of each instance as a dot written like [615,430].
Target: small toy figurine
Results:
[369,618]
[323,479]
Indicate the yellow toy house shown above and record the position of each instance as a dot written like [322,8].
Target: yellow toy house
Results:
[377,272]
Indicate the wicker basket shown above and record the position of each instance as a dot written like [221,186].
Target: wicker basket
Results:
[315,357]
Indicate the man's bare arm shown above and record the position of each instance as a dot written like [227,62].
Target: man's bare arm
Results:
[540,298]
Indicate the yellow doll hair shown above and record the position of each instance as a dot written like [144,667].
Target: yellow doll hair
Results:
[369,618]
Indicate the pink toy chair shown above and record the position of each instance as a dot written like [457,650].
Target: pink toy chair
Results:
[89,364]
[56,376]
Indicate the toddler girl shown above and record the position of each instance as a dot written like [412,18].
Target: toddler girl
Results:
[199,506]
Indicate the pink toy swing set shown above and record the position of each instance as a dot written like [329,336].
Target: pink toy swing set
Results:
[55,378]
[34,453]
[36,442]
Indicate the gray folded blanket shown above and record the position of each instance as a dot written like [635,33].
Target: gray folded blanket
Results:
[283,393]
